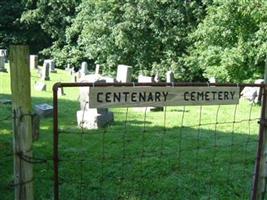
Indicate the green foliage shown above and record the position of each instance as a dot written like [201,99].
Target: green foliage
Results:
[53,16]
[148,35]
[14,30]
[230,43]
[10,30]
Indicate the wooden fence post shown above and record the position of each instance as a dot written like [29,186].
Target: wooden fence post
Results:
[22,126]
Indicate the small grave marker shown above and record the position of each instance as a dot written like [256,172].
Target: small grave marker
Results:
[44,110]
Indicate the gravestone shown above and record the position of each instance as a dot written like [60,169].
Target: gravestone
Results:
[156,78]
[249,93]
[212,80]
[44,110]
[169,77]
[45,72]
[92,118]
[84,69]
[5,101]
[40,86]
[3,53]
[97,69]
[145,79]
[60,92]
[253,94]
[124,74]
[33,62]
[51,65]
[2,64]
[68,68]
[76,76]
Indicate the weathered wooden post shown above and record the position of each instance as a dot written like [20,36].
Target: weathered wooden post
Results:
[22,125]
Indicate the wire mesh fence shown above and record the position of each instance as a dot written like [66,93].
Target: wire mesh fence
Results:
[182,152]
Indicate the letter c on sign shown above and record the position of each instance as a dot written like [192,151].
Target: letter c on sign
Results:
[185,96]
[98,97]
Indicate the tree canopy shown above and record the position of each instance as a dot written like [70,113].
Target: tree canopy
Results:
[230,43]
[196,39]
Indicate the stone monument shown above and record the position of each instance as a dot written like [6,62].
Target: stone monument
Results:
[45,72]
[124,74]
[91,118]
[84,69]
[97,69]
[2,64]
[51,65]
[40,86]
[169,77]
[33,62]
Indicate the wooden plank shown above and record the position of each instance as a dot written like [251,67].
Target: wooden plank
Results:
[22,124]
[107,97]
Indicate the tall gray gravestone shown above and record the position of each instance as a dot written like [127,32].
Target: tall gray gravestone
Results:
[45,72]
[84,69]
[51,64]
[124,74]
[169,77]
[91,118]
[33,62]
[97,69]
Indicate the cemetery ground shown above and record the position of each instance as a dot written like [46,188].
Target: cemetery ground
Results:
[142,155]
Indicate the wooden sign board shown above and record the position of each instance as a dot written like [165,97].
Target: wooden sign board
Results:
[111,97]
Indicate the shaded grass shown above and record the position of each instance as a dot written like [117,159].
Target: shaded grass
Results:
[141,155]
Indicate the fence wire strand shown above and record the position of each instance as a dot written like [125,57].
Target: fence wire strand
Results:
[140,156]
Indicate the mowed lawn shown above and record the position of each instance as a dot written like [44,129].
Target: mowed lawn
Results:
[192,152]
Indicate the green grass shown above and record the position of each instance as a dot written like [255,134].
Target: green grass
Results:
[140,156]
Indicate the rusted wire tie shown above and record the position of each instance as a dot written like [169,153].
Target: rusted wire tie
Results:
[32,160]
[21,183]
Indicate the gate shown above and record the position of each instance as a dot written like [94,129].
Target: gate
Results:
[182,152]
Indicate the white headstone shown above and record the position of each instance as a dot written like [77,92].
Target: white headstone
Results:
[3,52]
[169,77]
[45,72]
[33,61]
[249,93]
[51,64]
[212,80]
[40,86]
[92,118]
[124,74]
[97,69]
[60,92]
[156,78]
[84,69]
[145,79]
[68,68]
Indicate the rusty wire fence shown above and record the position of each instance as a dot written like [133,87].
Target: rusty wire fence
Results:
[182,152]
